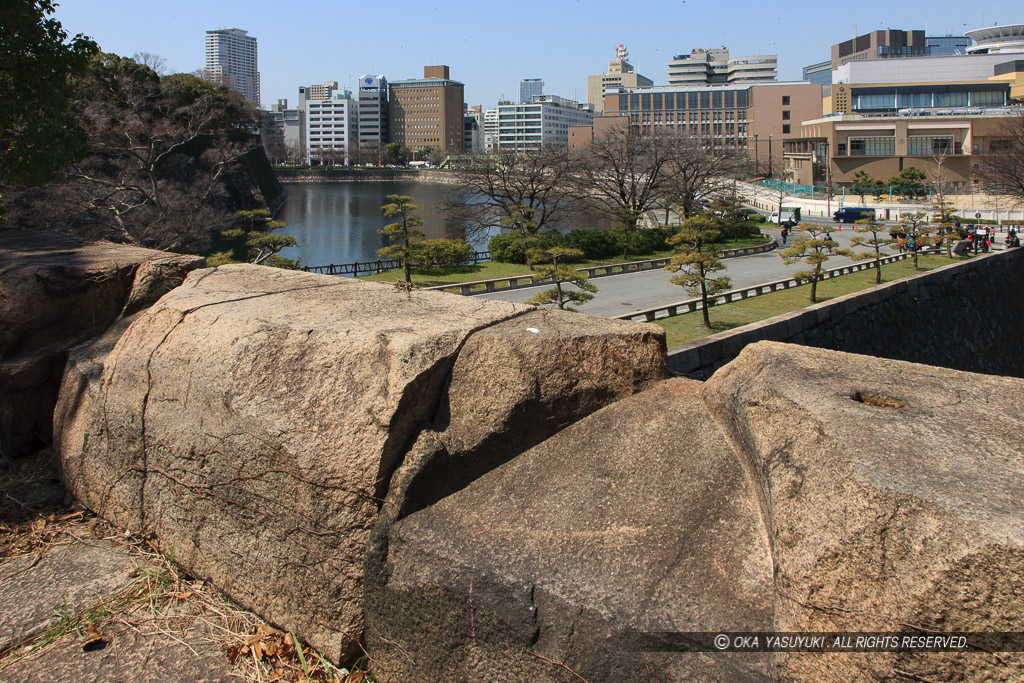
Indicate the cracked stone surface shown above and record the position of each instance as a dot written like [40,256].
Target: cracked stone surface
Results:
[253,419]
[797,490]
[57,292]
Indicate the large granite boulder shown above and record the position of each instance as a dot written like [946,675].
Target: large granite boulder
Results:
[57,292]
[797,490]
[255,421]
[892,495]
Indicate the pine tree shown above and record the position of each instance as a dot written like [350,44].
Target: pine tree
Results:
[865,227]
[814,247]
[560,271]
[697,258]
[401,234]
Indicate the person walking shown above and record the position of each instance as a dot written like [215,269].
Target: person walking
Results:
[785,233]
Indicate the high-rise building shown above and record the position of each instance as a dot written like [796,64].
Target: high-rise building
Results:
[373,114]
[530,88]
[231,61]
[886,44]
[708,67]
[620,74]
[428,112]
[331,128]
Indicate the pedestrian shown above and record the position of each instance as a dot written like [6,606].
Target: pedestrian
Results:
[785,233]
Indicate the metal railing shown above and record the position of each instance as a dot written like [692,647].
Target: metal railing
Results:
[378,266]
[691,305]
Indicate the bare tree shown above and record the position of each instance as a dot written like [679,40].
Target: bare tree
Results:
[625,173]
[160,176]
[495,189]
[155,62]
[1002,169]
[695,169]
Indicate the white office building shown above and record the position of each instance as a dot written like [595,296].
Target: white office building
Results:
[331,129]
[544,120]
[231,60]
[710,67]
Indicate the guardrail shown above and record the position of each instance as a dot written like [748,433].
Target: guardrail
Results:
[691,305]
[532,280]
[378,266]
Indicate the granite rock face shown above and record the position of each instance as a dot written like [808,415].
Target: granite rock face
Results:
[255,421]
[57,292]
[797,490]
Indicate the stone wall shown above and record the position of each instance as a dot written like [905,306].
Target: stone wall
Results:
[342,175]
[966,316]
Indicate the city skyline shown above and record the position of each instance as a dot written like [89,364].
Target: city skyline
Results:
[569,40]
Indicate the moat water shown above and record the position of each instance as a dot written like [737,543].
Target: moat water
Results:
[337,222]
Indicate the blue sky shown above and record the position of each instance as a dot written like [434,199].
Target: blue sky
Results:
[490,46]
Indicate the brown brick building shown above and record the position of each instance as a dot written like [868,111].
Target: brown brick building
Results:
[428,112]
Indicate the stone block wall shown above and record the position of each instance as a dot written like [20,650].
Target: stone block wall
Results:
[965,316]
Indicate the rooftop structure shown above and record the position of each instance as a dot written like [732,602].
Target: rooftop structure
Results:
[708,67]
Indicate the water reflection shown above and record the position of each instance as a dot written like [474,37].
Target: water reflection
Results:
[338,222]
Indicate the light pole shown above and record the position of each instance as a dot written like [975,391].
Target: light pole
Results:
[770,136]
[828,180]
[757,164]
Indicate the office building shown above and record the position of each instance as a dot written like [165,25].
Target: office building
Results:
[620,74]
[886,86]
[941,46]
[991,40]
[819,73]
[473,139]
[944,145]
[543,121]
[331,128]
[373,115]
[883,44]
[755,118]
[530,88]
[428,112]
[314,93]
[710,67]
[231,60]
[281,133]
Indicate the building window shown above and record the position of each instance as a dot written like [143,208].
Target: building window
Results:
[785,115]
[785,100]
[872,147]
[927,145]
[785,129]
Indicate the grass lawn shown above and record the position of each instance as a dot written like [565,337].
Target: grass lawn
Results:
[492,270]
[682,329]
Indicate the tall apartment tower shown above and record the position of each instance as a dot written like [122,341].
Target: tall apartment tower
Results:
[530,88]
[428,111]
[373,113]
[231,61]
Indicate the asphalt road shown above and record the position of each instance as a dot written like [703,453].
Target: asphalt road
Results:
[619,294]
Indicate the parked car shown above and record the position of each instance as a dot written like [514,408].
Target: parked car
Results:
[785,219]
[852,214]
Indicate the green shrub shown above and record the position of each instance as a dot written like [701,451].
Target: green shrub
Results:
[441,254]
[511,247]
[594,242]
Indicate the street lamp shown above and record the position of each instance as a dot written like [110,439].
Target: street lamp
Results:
[757,164]
[770,136]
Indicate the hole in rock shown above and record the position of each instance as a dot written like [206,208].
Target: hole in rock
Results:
[877,400]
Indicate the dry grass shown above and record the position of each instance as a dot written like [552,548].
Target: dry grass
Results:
[159,601]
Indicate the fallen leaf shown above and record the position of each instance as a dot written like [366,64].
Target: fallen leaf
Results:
[271,648]
[39,524]
[257,650]
[267,630]
[233,653]
[356,677]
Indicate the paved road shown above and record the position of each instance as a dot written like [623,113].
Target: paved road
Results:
[618,294]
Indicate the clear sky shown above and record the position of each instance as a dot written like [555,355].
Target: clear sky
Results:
[490,46]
